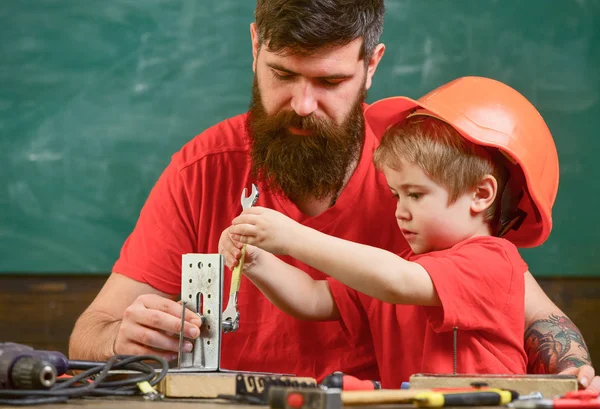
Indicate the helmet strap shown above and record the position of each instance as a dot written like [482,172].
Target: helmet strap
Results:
[511,216]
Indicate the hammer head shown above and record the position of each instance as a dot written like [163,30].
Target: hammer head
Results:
[304,398]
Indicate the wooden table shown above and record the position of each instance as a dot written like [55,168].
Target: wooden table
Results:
[140,403]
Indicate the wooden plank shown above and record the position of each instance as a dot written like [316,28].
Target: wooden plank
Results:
[548,385]
[207,384]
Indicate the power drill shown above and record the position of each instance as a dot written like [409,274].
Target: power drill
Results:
[22,367]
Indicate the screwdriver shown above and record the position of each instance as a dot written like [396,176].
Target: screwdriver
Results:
[486,397]
[339,380]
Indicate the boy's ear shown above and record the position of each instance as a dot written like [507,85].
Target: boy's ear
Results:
[485,193]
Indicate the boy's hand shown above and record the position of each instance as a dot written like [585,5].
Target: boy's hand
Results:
[264,228]
[232,251]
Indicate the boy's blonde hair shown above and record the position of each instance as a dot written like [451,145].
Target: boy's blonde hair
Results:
[444,155]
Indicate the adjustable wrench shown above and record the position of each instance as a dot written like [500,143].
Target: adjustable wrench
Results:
[231,315]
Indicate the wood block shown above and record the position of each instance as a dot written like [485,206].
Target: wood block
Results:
[548,385]
[210,384]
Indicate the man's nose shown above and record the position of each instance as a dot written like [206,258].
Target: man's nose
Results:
[304,101]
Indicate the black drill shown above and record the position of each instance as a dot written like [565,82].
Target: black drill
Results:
[22,367]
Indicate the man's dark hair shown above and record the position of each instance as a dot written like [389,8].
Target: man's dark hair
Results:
[305,26]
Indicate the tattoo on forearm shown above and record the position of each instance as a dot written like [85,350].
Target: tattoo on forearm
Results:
[553,345]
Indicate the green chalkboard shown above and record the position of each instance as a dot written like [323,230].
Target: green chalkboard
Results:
[95,96]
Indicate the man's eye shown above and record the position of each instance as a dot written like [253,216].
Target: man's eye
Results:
[332,82]
[283,76]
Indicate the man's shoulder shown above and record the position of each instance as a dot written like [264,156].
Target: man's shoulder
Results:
[225,137]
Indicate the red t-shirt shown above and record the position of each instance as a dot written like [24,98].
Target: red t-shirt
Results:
[196,198]
[480,283]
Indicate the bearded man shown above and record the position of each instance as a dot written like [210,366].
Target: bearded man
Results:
[305,143]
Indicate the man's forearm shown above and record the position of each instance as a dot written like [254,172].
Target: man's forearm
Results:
[93,336]
[554,344]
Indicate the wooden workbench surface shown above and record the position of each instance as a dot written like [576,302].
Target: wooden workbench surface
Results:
[140,403]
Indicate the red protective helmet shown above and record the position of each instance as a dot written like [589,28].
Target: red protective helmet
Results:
[490,113]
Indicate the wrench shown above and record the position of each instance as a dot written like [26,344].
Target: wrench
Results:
[231,315]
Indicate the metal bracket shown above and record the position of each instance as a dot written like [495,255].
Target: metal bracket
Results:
[254,388]
[202,289]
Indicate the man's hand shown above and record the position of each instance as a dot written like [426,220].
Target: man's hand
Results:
[131,317]
[151,325]
[595,384]
[264,228]
[585,377]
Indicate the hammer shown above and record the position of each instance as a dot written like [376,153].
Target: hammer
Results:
[317,398]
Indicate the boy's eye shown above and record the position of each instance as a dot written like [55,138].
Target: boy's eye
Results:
[414,195]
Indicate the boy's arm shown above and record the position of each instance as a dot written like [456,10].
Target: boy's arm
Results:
[290,289]
[370,270]
[552,342]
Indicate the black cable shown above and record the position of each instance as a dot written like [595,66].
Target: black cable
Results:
[97,372]
[82,365]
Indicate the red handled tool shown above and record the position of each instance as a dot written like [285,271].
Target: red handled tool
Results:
[339,380]
[583,399]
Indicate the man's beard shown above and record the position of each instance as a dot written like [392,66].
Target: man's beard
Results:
[303,166]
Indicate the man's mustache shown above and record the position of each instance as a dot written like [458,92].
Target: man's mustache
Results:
[286,119]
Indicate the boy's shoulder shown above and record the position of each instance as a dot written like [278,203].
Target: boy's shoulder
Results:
[477,248]
[489,243]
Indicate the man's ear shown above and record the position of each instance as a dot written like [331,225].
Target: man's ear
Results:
[373,63]
[485,193]
[254,38]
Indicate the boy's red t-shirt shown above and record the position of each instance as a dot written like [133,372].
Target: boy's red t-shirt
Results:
[480,283]
[196,198]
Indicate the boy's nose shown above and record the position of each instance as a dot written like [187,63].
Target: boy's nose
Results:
[401,212]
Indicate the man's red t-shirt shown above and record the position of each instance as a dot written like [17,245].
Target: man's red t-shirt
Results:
[196,198]
[480,283]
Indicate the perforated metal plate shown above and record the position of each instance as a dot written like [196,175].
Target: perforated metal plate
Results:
[202,289]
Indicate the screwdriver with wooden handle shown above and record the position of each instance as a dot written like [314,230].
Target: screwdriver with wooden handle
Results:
[231,315]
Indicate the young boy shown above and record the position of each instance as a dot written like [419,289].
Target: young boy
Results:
[472,165]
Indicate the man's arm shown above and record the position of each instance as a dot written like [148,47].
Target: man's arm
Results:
[130,317]
[552,342]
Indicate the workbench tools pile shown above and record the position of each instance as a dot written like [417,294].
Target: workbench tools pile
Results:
[31,377]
